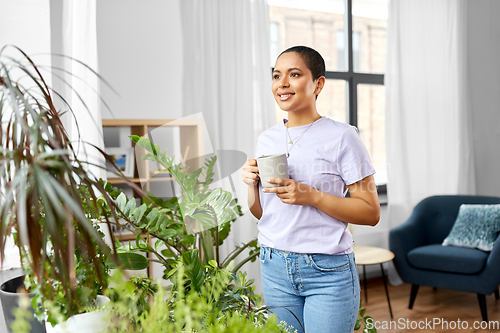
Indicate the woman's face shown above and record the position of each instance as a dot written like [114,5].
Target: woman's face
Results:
[293,87]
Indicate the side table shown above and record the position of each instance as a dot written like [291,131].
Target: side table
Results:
[368,255]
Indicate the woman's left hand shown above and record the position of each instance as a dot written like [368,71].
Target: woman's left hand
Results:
[292,192]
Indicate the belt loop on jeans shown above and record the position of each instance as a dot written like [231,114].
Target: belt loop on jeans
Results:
[268,253]
[308,258]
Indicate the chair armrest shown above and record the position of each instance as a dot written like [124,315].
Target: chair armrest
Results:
[494,257]
[491,273]
[403,239]
[407,236]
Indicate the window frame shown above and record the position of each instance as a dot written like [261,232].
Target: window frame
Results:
[350,76]
[353,78]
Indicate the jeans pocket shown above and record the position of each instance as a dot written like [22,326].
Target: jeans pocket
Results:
[263,254]
[329,262]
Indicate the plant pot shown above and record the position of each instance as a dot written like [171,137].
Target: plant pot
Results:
[10,301]
[89,322]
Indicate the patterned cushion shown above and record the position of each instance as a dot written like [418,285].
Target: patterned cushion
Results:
[476,226]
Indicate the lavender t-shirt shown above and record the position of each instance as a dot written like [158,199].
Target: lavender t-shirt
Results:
[328,156]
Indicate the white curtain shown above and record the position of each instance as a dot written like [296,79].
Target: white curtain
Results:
[31,19]
[81,90]
[227,77]
[77,22]
[428,127]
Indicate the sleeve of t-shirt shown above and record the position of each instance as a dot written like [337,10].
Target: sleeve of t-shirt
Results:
[258,147]
[353,159]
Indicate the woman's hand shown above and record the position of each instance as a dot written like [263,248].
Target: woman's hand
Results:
[249,173]
[292,192]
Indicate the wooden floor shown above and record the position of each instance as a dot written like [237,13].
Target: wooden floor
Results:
[431,306]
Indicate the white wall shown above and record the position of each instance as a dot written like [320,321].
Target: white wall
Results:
[26,24]
[483,51]
[140,54]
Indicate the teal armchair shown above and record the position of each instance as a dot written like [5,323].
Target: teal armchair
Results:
[420,259]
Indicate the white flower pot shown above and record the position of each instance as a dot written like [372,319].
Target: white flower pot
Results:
[89,322]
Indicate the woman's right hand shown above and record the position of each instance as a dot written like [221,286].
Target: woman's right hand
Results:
[249,174]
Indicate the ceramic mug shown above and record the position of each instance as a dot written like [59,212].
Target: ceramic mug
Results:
[272,166]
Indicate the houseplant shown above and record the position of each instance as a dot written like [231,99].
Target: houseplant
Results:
[189,229]
[49,200]
[198,219]
[180,310]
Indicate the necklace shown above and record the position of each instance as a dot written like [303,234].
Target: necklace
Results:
[294,141]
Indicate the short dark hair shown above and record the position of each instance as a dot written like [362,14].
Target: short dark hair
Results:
[314,61]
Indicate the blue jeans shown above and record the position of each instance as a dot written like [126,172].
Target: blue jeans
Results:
[321,291]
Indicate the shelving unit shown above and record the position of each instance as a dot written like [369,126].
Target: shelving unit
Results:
[191,144]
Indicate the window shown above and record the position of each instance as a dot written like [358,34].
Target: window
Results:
[341,50]
[351,36]
[275,47]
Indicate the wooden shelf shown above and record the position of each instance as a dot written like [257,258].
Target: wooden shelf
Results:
[191,142]
[139,180]
[150,122]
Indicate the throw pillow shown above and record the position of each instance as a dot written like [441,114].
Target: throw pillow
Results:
[476,226]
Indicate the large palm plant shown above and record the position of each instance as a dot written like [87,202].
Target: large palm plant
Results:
[42,203]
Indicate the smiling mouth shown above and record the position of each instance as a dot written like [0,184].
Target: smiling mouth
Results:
[285,97]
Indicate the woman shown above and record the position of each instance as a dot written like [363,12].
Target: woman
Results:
[309,275]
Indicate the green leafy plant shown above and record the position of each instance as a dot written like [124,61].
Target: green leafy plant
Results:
[49,201]
[363,320]
[90,280]
[181,310]
[225,290]
[187,232]
[199,219]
